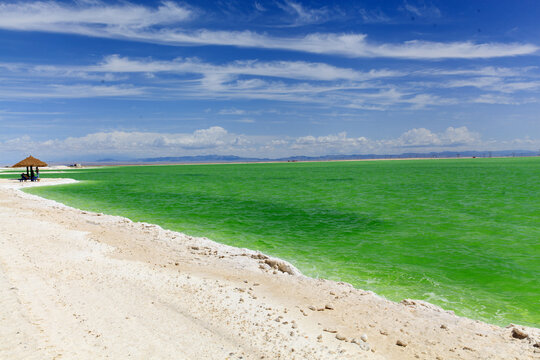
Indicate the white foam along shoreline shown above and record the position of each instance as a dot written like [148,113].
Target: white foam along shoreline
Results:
[280,264]
[387,317]
[277,263]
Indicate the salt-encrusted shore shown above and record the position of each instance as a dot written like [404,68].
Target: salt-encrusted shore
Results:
[81,285]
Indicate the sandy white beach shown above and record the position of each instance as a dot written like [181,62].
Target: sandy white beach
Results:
[81,285]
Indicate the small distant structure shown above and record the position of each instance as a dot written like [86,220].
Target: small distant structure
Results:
[29,164]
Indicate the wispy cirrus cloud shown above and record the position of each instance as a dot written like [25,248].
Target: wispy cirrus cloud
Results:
[112,68]
[232,111]
[88,17]
[303,15]
[290,81]
[249,79]
[60,91]
[300,70]
[17,113]
[498,71]
[423,9]
[259,7]
[277,81]
[504,99]
[495,84]
[374,16]
[162,25]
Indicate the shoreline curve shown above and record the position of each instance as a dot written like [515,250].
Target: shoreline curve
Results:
[204,254]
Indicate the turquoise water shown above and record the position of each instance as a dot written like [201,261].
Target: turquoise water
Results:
[462,234]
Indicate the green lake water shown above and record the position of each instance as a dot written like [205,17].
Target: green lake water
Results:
[462,234]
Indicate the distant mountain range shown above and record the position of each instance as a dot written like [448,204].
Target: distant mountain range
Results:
[232,158]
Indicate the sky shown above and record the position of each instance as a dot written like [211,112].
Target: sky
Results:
[86,80]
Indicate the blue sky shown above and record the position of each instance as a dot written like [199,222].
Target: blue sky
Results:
[90,79]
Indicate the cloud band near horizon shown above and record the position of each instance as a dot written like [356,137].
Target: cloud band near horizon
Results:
[218,141]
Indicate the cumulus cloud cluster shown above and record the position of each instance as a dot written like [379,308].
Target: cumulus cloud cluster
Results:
[451,137]
[123,142]
[217,140]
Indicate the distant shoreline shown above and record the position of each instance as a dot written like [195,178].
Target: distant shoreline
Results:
[94,164]
[90,164]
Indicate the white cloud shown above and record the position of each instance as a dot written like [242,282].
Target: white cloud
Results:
[231,111]
[259,7]
[383,99]
[136,143]
[69,91]
[238,79]
[422,137]
[495,84]
[160,25]
[23,113]
[496,99]
[418,138]
[510,87]
[422,10]
[217,140]
[114,67]
[300,70]
[459,136]
[421,101]
[334,143]
[200,139]
[481,71]
[303,15]
[292,81]
[479,82]
[88,18]
[416,49]
[298,81]
[373,16]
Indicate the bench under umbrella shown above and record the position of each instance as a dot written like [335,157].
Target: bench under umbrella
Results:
[28,163]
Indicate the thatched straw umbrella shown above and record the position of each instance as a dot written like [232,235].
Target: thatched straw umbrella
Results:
[29,162]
